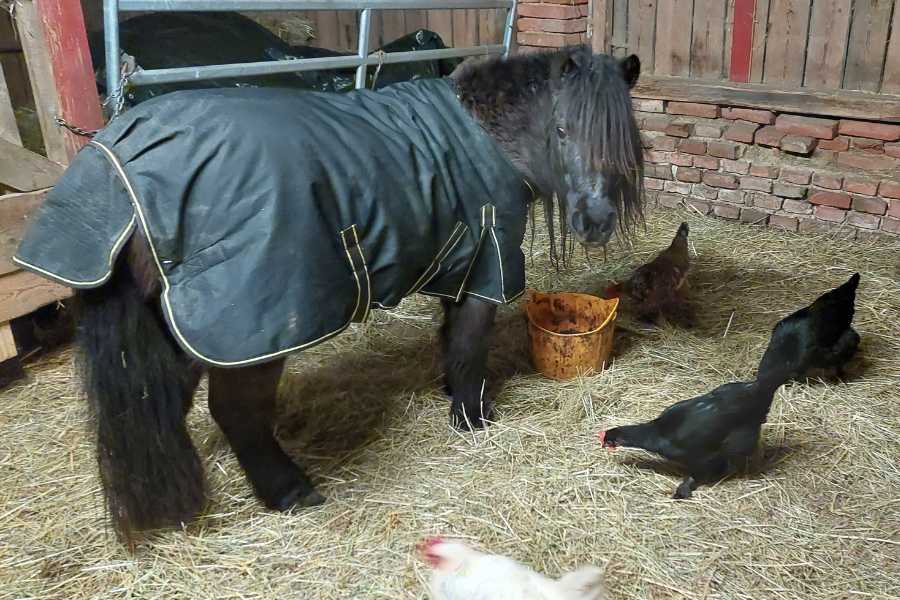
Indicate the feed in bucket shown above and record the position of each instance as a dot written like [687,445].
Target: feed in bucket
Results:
[571,333]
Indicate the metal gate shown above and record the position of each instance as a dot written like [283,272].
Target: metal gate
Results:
[115,81]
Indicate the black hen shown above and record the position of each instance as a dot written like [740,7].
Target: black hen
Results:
[710,435]
[818,339]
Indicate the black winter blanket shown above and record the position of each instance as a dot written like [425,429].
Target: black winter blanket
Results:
[278,217]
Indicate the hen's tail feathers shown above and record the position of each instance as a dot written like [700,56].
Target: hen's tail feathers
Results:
[843,294]
[681,236]
[584,583]
[838,305]
[678,249]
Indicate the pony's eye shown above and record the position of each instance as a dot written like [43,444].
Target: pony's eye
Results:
[561,133]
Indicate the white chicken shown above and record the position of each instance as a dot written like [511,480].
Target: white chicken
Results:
[461,573]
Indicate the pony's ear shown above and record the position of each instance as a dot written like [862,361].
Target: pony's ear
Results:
[575,60]
[631,69]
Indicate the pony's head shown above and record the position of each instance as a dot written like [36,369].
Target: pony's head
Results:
[565,118]
[594,160]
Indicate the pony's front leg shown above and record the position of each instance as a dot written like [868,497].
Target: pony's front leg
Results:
[465,337]
[242,401]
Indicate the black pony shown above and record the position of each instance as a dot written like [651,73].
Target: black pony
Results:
[562,118]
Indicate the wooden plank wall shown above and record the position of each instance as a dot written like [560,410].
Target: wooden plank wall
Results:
[818,44]
[338,30]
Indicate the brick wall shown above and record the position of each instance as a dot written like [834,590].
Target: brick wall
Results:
[551,23]
[790,171]
[782,170]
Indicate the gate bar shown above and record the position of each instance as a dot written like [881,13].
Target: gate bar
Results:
[362,45]
[257,5]
[361,61]
[297,65]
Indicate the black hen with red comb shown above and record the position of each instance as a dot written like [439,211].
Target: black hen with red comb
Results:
[712,434]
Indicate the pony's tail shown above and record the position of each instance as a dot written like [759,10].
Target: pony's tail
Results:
[139,392]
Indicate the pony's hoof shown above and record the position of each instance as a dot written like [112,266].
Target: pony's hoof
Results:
[682,492]
[314,498]
[464,421]
[300,496]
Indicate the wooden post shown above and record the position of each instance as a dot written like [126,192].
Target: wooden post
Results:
[10,365]
[601,24]
[73,71]
[742,40]
[54,41]
[9,130]
[40,73]
[59,65]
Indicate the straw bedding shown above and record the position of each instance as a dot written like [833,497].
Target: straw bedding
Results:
[818,515]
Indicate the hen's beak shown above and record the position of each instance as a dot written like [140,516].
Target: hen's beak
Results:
[603,443]
[425,548]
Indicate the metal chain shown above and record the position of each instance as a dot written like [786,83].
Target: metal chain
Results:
[74,128]
[380,54]
[127,68]
[128,65]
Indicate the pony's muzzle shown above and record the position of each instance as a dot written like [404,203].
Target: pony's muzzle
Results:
[592,225]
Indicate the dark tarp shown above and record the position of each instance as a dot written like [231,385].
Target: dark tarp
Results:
[278,216]
[185,39]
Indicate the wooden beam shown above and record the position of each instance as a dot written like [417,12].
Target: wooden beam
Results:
[786,42]
[891,81]
[59,66]
[601,23]
[7,343]
[22,292]
[741,41]
[642,31]
[9,129]
[867,45]
[829,26]
[708,40]
[24,170]
[40,72]
[673,38]
[760,37]
[15,210]
[73,71]
[843,103]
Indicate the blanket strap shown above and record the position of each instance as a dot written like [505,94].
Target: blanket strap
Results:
[357,260]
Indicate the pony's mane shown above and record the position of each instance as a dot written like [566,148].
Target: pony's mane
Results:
[594,102]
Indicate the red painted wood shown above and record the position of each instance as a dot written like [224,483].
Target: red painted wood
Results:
[67,44]
[742,40]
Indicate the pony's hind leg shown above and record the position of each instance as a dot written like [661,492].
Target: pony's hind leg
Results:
[465,337]
[242,401]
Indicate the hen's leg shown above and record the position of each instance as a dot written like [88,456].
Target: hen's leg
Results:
[708,471]
[686,488]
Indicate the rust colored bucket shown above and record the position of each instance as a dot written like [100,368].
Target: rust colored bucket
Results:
[571,334]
